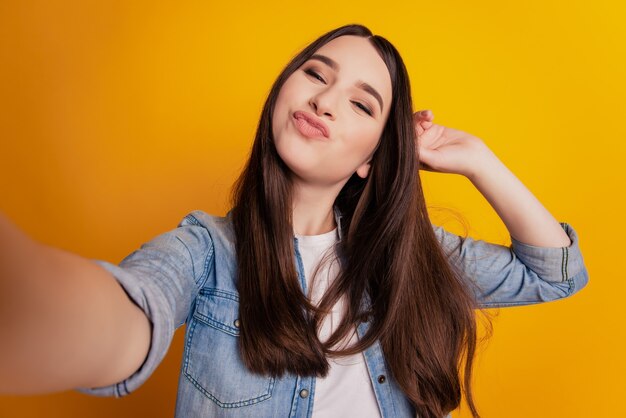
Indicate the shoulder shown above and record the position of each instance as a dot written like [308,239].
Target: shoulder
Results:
[218,228]
[201,218]
[214,237]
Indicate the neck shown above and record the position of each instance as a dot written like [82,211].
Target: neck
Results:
[313,210]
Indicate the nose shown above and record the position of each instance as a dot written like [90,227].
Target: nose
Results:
[322,104]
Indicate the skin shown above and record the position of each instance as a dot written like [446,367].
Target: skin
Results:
[320,168]
[447,150]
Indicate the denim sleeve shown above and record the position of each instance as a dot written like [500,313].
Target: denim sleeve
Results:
[519,274]
[162,277]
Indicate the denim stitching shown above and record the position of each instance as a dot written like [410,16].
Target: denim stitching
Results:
[370,352]
[566,277]
[566,263]
[563,273]
[220,293]
[294,402]
[264,396]
[207,262]
[516,303]
[192,219]
[215,323]
[300,272]
[205,274]
[192,326]
[193,266]
[569,279]
[313,382]
[233,404]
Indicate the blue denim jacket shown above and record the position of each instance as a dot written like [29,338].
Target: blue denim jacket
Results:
[187,275]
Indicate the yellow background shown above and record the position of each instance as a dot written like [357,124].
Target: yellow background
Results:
[117,118]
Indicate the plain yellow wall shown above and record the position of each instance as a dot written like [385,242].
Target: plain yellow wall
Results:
[118,118]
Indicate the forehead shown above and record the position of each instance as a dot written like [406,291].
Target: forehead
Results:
[360,61]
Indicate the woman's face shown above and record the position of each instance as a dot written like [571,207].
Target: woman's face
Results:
[330,113]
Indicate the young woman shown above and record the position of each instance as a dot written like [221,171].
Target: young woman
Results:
[325,291]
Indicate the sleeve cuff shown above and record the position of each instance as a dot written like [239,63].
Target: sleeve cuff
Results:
[555,264]
[151,301]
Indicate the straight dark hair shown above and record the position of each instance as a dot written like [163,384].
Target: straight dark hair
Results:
[418,304]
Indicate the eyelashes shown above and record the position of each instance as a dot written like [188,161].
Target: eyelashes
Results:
[360,105]
[314,74]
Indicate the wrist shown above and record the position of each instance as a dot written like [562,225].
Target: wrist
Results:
[487,164]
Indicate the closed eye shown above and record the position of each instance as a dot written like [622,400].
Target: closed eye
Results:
[314,74]
[361,106]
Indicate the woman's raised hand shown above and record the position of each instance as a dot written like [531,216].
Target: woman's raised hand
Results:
[447,150]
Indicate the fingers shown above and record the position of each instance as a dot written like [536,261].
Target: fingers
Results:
[423,120]
[421,127]
[426,114]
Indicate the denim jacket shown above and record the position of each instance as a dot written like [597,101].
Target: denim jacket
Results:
[187,275]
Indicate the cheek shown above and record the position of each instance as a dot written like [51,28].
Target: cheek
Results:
[363,140]
[287,92]
[281,107]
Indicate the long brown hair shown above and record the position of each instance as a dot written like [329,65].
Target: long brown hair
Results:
[420,308]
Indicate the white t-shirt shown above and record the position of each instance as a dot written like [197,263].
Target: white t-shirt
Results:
[347,389]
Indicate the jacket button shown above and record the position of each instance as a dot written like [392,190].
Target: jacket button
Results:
[381,378]
[304,393]
[237,323]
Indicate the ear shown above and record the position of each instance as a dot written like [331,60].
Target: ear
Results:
[363,170]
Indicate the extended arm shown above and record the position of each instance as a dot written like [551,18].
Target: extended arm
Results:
[544,261]
[64,321]
[67,322]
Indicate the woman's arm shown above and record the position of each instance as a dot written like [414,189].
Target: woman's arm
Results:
[543,262]
[65,322]
[527,220]
[448,150]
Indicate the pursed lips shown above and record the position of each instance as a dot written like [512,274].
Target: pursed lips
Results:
[313,121]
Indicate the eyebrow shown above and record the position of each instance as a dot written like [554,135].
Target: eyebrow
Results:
[363,85]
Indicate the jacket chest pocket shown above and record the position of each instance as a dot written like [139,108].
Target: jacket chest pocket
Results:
[212,361]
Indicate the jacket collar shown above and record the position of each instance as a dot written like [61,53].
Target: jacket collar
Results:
[338,217]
